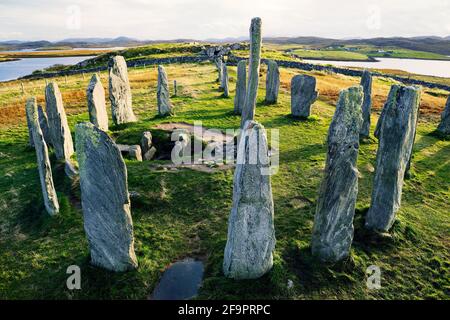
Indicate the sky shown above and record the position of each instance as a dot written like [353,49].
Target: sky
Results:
[204,19]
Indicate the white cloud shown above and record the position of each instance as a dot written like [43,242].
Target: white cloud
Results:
[199,19]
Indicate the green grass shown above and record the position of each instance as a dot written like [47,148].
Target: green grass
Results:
[330,55]
[184,212]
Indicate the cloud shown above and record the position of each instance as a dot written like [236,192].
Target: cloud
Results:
[200,19]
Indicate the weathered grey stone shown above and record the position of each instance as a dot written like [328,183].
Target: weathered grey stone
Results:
[105,199]
[150,154]
[146,141]
[45,170]
[219,65]
[366,83]
[70,170]
[251,233]
[135,152]
[333,222]
[29,115]
[272,82]
[164,106]
[248,111]
[225,81]
[396,139]
[57,122]
[239,98]
[444,126]
[43,122]
[303,95]
[120,92]
[96,103]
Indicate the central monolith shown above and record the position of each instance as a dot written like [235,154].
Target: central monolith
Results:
[248,112]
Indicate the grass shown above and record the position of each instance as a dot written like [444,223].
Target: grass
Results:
[184,212]
[330,55]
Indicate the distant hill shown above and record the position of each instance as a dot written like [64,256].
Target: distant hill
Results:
[428,44]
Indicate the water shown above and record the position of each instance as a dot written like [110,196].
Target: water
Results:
[180,281]
[436,68]
[11,70]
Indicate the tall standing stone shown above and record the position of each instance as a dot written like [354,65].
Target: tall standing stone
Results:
[272,82]
[120,92]
[366,83]
[248,112]
[444,126]
[394,150]
[251,233]
[57,122]
[43,123]
[105,199]
[29,123]
[303,95]
[239,98]
[333,222]
[219,65]
[45,170]
[225,81]
[163,96]
[96,103]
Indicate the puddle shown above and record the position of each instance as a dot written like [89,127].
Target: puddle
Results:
[180,281]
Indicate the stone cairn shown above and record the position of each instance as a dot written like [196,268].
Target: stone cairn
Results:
[396,138]
[239,98]
[45,170]
[57,122]
[225,81]
[96,103]
[120,92]
[248,111]
[105,199]
[303,95]
[366,83]
[162,95]
[444,126]
[333,222]
[148,150]
[251,233]
[272,82]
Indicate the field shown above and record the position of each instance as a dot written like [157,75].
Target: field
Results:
[183,213]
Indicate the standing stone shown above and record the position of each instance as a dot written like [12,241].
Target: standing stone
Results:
[394,150]
[251,233]
[272,82]
[248,112]
[366,83]
[43,123]
[164,106]
[303,95]
[57,122]
[45,170]
[105,199]
[225,81]
[333,222]
[146,141]
[29,116]
[239,98]
[120,92]
[96,103]
[444,126]
[219,65]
